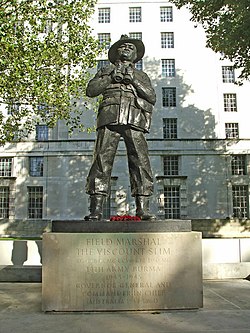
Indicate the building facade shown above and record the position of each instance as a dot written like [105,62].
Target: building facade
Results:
[199,143]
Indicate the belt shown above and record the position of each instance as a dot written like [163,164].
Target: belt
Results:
[118,93]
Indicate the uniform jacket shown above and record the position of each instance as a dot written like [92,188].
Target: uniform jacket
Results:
[123,104]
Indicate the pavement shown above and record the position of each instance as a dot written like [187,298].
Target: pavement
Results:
[226,310]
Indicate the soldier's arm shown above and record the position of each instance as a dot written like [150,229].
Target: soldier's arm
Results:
[100,82]
[143,87]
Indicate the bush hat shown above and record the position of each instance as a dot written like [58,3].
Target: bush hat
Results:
[112,54]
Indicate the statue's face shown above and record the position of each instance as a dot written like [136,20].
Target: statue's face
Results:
[127,51]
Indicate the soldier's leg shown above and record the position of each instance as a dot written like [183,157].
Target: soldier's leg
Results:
[138,161]
[141,178]
[98,180]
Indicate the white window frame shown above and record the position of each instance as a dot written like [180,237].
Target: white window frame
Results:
[168,67]
[238,165]
[135,14]
[104,15]
[232,130]
[35,202]
[4,202]
[171,165]
[36,164]
[42,133]
[166,14]
[167,40]
[230,102]
[172,202]
[170,128]
[104,39]
[168,97]
[6,165]
[240,201]
[228,74]
[135,35]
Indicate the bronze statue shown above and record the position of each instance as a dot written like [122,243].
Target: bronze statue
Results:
[125,111]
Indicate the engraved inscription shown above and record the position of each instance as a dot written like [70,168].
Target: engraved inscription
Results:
[131,269]
[121,271]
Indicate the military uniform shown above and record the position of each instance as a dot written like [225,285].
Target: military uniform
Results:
[125,111]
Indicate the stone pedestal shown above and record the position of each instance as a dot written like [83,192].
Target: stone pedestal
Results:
[121,226]
[119,271]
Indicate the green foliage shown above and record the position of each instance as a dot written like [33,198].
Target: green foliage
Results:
[46,50]
[227,26]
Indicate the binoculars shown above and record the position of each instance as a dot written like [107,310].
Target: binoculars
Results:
[120,76]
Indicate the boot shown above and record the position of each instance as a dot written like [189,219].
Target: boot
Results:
[96,206]
[142,208]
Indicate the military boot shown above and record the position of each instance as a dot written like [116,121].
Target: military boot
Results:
[142,208]
[96,207]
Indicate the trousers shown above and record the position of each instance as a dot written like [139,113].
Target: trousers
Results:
[108,137]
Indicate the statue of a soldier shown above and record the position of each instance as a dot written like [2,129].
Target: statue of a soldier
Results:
[125,111]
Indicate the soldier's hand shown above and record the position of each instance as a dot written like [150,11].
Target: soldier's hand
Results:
[107,70]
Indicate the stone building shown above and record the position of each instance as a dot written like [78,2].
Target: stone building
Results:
[199,143]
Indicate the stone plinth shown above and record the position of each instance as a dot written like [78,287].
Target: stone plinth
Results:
[121,271]
[121,226]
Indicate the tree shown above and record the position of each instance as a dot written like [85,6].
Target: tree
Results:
[227,26]
[46,50]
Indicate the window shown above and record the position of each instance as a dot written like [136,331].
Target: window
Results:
[238,164]
[35,202]
[172,202]
[166,14]
[232,130]
[228,74]
[4,202]
[139,65]
[168,67]
[42,132]
[43,108]
[36,166]
[135,14]
[230,103]
[6,166]
[171,165]
[103,15]
[49,26]
[169,128]
[109,206]
[167,40]
[102,64]
[240,201]
[13,108]
[169,97]
[104,40]
[135,35]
